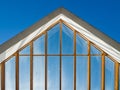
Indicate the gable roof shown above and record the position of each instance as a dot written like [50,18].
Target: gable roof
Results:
[108,45]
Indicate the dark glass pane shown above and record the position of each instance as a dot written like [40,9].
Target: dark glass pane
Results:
[53,73]
[95,73]
[67,73]
[94,50]
[10,74]
[26,50]
[39,45]
[109,74]
[82,63]
[38,73]
[81,45]
[24,73]
[54,40]
[67,40]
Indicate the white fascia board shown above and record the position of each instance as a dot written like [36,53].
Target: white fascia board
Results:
[104,46]
[100,43]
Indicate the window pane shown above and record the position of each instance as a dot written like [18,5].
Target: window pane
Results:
[10,74]
[82,63]
[53,73]
[67,73]
[38,73]
[109,74]
[54,40]
[67,40]
[26,50]
[39,45]
[94,50]
[81,45]
[24,73]
[95,73]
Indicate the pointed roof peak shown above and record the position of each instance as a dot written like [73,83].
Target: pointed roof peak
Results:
[11,46]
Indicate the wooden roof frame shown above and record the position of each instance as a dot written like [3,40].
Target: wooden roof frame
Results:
[108,45]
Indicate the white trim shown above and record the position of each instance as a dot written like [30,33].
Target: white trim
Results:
[104,46]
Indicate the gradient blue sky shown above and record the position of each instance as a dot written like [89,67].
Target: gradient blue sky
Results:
[17,15]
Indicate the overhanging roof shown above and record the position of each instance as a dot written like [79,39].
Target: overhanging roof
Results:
[101,40]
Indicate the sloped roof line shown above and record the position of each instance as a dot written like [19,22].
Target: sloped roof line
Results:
[107,44]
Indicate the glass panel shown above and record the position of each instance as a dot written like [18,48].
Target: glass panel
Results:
[94,50]
[53,73]
[67,40]
[38,73]
[95,73]
[109,74]
[26,50]
[39,45]
[81,45]
[10,74]
[24,73]
[67,73]
[54,40]
[82,63]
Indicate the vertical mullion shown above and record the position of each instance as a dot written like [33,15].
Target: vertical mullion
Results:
[116,80]
[89,66]
[17,70]
[31,66]
[46,60]
[3,76]
[74,60]
[103,72]
[60,55]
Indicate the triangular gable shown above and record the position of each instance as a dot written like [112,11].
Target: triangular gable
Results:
[101,40]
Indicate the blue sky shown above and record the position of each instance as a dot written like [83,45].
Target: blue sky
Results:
[17,15]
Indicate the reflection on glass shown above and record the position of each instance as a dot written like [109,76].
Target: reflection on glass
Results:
[109,74]
[54,40]
[38,73]
[67,73]
[67,40]
[94,50]
[39,45]
[81,45]
[53,73]
[81,80]
[95,73]
[24,73]
[26,50]
[10,74]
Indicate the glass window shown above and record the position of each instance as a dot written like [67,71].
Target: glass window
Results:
[67,73]
[67,40]
[94,50]
[24,73]
[95,73]
[81,78]
[53,72]
[26,50]
[109,74]
[38,73]
[54,40]
[10,74]
[81,45]
[39,45]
